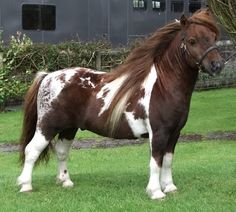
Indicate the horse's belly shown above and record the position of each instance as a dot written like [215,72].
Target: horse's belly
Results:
[129,127]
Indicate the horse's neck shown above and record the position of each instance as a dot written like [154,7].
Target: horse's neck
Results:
[175,76]
[176,72]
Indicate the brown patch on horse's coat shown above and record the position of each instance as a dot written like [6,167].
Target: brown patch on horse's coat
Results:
[139,111]
[82,77]
[61,77]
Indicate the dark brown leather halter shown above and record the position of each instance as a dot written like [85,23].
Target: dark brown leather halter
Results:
[184,48]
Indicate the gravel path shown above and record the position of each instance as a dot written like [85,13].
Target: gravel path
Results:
[111,143]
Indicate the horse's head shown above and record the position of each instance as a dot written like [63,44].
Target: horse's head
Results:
[199,35]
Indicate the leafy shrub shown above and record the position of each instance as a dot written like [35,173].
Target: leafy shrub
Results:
[10,85]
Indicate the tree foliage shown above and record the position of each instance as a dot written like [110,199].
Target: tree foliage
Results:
[225,11]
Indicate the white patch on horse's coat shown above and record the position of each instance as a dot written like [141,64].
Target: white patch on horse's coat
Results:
[150,133]
[140,126]
[154,187]
[32,152]
[62,150]
[137,126]
[145,100]
[148,87]
[111,90]
[56,85]
[87,82]
[95,72]
[166,174]
[51,87]
[70,73]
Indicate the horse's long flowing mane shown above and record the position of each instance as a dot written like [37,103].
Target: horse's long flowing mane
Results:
[138,64]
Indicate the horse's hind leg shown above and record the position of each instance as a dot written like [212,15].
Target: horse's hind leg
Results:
[32,152]
[62,148]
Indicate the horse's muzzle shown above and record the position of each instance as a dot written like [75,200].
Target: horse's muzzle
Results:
[216,67]
[213,67]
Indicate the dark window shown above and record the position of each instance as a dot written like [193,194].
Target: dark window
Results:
[140,4]
[38,17]
[159,5]
[194,5]
[30,17]
[177,6]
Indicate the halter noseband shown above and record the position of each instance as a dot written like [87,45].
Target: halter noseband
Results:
[184,48]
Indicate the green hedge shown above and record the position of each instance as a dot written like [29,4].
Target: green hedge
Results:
[22,59]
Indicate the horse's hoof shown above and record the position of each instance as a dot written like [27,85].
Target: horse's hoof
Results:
[170,188]
[68,184]
[26,188]
[156,195]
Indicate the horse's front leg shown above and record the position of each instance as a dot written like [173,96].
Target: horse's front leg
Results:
[166,179]
[158,143]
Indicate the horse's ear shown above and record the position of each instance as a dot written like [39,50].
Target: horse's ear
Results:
[183,20]
[208,12]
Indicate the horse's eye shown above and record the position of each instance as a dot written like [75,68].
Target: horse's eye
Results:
[207,39]
[192,41]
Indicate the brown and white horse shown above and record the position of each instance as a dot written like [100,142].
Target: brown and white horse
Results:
[147,96]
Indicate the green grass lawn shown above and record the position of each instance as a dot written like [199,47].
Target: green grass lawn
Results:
[210,111]
[115,180]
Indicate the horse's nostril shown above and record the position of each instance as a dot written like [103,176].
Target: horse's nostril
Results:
[216,66]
